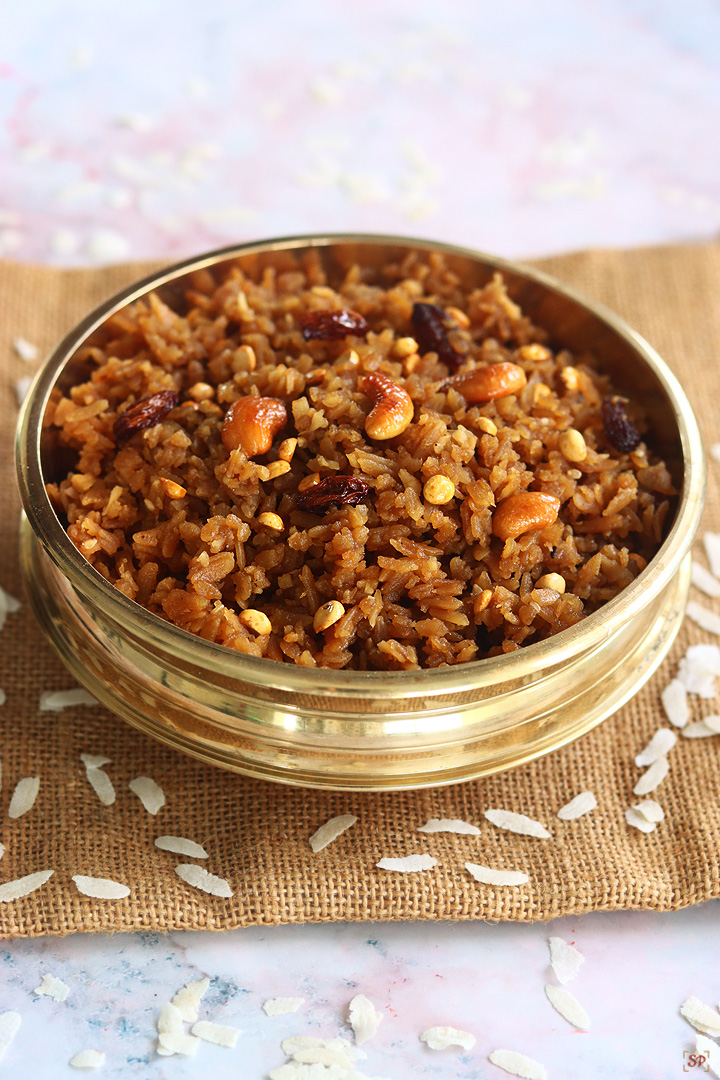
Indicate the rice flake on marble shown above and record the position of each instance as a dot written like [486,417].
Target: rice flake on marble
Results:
[331,830]
[220,1034]
[443,1037]
[364,1018]
[518,1064]
[702,1017]
[9,1023]
[568,1006]
[88,1059]
[188,998]
[565,959]
[279,1006]
[52,987]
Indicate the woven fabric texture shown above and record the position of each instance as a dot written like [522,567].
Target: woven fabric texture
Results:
[256,834]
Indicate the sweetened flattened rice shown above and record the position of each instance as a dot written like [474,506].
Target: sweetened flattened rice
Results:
[189,528]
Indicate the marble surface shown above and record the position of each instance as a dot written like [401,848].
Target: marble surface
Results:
[164,129]
[486,979]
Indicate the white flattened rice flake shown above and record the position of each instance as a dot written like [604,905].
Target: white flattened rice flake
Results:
[57,700]
[364,1018]
[713,722]
[170,1020]
[201,879]
[410,864]
[25,349]
[711,542]
[9,1024]
[581,804]
[675,703]
[568,1006]
[88,1059]
[705,581]
[22,385]
[101,888]
[94,761]
[715,451]
[294,1070]
[652,778]
[326,1057]
[102,785]
[2,850]
[705,618]
[220,1034]
[8,606]
[296,1044]
[659,746]
[698,669]
[180,845]
[565,959]
[52,987]
[517,823]
[650,810]
[451,825]
[2,696]
[638,821]
[518,1064]
[13,890]
[177,1043]
[701,1016]
[188,998]
[281,1005]
[710,1051]
[331,830]
[441,1038]
[150,794]
[699,730]
[488,876]
[24,796]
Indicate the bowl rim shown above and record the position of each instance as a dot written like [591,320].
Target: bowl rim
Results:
[326,682]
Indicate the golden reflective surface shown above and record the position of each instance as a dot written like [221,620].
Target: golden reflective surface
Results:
[367,730]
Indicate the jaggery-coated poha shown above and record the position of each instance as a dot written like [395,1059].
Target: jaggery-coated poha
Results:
[387,472]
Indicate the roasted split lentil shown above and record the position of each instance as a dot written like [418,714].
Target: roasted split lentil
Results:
[371,473]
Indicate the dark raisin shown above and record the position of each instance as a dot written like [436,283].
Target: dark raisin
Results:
[144,413]
[620,431]
[332,491]
[431,326]
[332,325]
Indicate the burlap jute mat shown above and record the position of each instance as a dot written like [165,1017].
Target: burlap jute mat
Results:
[256,833]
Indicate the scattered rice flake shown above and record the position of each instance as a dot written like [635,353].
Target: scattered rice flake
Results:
[441,1038]
[177,1043]
[364,1018]
[94,761]
[24,796]
[281,1005]
[565,959]
[101,888]
[653,777]
[701,1016]
[698,669]
[180,845]
[9,1024]
[220,1034]
[410,864]
[710,1051]
[9,605]
[711,542]
[297,1044]
[201,879]
[25,349]
[715,451]
[188,998]
[2,850]
[106,245]
[52,987]
[638,821]
[675,703]
[650,810]
[56,700]
[488,876]
[713,722]
[170,1020]
[150,794]
[581,804]
[705,618]
[659,746]
[13,890]
[518,1064]
[88,1059]
[331,830]
[699,730]
[705,581]
[451,825]
[22,385]
[99,781]
[324,1056]
[568,1006]
[517,823]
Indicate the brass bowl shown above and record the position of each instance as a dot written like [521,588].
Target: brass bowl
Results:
[366,730]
